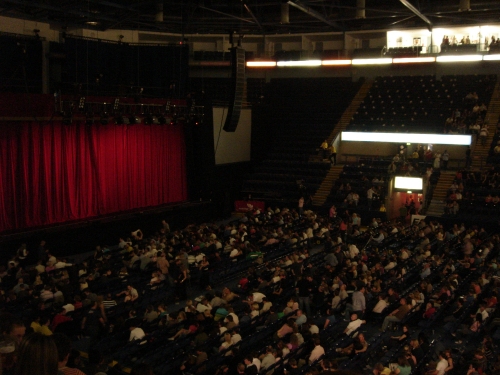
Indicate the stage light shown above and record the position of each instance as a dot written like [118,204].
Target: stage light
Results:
[151,120]
[162,120]
[104,119]
[67,118]
[81,103]
[89,119]
[134,120]
[116,104]
[122,120]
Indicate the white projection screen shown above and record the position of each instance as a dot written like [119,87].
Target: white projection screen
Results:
[232,147]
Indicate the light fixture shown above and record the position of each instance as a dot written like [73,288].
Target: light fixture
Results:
[378,61]
[151,120]
[122,120]
[411,60]
[261,64]
[67,118]
[459,58]
[116,104]
[491,57]
[299,63]
[336,62]
[162,120]
[134,120]
[89,119]
[441,139]
[92,23]
[104,119]
[81,103]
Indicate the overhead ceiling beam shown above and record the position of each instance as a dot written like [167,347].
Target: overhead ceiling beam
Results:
[253,16]
[308,10]
[226,14]
[37,5]
[407,4]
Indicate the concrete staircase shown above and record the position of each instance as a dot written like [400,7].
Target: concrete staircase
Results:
[345,118]
[480,152]
[350,110]
[324,189]
[436,208]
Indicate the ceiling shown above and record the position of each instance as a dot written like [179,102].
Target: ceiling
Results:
[248,16]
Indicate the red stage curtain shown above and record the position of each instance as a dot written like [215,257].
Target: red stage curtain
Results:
[52,173]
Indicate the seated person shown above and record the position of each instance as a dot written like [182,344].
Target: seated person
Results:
[359,345]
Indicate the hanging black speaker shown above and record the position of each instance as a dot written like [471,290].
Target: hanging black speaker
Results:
[237,88]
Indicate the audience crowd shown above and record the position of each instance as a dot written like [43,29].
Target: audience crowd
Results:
[313,295]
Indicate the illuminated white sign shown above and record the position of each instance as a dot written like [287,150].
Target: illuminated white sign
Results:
[408,183]
[437,139]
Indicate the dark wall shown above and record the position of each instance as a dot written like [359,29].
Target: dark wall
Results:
[20,65]
[97,67]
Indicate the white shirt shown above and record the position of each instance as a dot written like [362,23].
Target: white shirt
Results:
[136,334]
[257,297]
[380,306]
[352,326]
[317,352]
[202,308]
[236,320]
[441,366]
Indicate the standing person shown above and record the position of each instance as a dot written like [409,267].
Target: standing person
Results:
[305,288]
[204,273]
[468,158]
[403,212]
[444,159]
[437,160]
[333,154]
[301,206]
[180,281]
[324,147]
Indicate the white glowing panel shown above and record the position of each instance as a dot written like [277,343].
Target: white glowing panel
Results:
[437,139]
[408,183]
[491,57]
[336,62]
[300,63]
[261,64]
[459,58]
[380,61]
[409,60]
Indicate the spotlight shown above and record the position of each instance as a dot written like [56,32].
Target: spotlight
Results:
[67,118]
[89,119]
[116,104]
[151,120]
[104,119]
[81,104]
[122,120]
[134,120]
